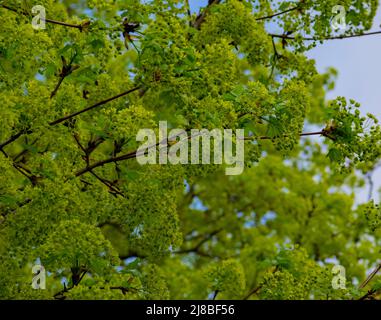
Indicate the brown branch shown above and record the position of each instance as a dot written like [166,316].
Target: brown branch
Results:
[127,156]
[135,154]
[371,276]
[92,145]
[275,58]
[368,294]
[284,36]
[14,138]
[76,138]
[125,289]
[77,26]
[278,14]
[108,184]
[28,131]
[200,243]
[61,79]
[94,106]
[201,17]
[19,169]
[65,24]
[76,278]
[323,133]
[254,291]
[67,69]
[20,154]
[8,8]
[24,171]
[259,287]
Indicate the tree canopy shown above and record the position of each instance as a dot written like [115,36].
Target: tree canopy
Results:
[74,199]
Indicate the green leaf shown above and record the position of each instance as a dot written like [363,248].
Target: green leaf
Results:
[335,155]
[274,127]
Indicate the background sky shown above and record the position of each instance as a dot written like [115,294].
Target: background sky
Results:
[357,61]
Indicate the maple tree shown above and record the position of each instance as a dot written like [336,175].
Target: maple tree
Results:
[74,198]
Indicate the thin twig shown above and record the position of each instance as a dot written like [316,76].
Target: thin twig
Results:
[108,184]
[306,134]
[200,243]
[215,295]
[275,58]
[61,79]
[254,291]
[284,36]
[368,294]
[371,276]
[87,152]
[60,295]
[65,24]
[277,14]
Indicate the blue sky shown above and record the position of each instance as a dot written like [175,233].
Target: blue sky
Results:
[195,4]
[357,61]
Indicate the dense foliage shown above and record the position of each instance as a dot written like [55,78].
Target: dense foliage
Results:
[74,198]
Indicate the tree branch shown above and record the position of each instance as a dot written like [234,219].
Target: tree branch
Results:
[278,14]
[77,26]
[92,145]
[200,243]
[65,24]
[32,178]
[108,184]
[284,36]
[371,276]
[14,138]
[76,278]
[368,294]
[323,133]
[201,17]
[94,106]
[254,291]
[275,58]
[127,156]
[135,154]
